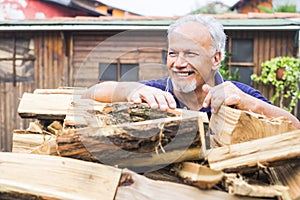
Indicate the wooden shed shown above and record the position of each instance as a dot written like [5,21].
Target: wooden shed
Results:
[79,52]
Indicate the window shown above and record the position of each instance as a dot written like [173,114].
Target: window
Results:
[241,51]
[118,72]
[16,60]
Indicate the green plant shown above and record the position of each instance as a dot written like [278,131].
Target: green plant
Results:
[225,72]
[291,8]
[287,86]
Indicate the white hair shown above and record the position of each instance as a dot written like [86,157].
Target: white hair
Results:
[214,27]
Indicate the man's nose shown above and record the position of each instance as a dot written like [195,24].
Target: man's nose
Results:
[180,61]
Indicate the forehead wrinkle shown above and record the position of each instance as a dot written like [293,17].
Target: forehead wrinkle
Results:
[192,31]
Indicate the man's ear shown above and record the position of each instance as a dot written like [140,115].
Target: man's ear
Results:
[217,59]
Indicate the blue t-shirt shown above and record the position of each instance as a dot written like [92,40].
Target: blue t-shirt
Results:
[165,84]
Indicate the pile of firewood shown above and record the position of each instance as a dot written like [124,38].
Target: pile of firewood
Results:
[130,150]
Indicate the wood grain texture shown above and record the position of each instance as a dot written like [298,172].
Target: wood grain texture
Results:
[259,151]
[136,187]
[231,126]
[53,177]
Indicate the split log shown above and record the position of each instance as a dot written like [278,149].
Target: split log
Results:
[89,113]
[198,175]
[136,145]
[260,151]
[131,135]
[45,106]
[135,186]
[238,186]
[231,126]
[29,176]
[37,140]
[29,142]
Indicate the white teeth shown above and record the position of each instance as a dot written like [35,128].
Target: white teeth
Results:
[183,74]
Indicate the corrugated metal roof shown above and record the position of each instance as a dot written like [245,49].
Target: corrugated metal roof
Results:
[232,21]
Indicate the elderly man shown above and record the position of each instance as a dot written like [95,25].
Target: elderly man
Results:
[196,49]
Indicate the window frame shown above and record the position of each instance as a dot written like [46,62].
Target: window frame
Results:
[119,66]
[232,64]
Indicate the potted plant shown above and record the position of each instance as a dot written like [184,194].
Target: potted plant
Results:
[284,74]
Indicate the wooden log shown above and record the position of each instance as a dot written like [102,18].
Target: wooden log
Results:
[131,135]
[45,106]
[239,186]
[135,186]
[260,151]
[89,113]
[134,145]
[29,142]
[231,126]
[199,175]
[37,140]
[29,176]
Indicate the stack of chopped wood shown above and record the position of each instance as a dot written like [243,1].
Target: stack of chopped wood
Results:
[237,154]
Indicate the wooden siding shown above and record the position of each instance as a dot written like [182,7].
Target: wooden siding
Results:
[142,47]
[50,71]
[267,45]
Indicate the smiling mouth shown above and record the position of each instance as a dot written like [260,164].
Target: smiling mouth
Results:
[184,74]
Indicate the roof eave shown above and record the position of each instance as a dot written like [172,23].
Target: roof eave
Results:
[84,27]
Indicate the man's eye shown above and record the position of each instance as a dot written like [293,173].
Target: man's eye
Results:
[173,54]
[191,54]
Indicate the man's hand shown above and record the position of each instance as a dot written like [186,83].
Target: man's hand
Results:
[224,94]
[155,98]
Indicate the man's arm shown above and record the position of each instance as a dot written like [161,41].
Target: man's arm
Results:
[111,91]
[228,94]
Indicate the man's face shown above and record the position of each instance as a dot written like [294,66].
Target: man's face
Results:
[190,58]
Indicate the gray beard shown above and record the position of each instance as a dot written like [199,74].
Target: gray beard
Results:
[186,88]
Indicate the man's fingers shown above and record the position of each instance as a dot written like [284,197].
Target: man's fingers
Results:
[161,102]
[206,88]
[232,100]
[155,98]
[171,101]
[135,98]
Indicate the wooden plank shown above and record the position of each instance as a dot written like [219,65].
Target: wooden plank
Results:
[231,126]
[263,151]
[62,90]
[45,106]
[56,177]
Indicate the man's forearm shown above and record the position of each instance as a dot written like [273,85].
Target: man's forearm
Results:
[111,91]
[261,107]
